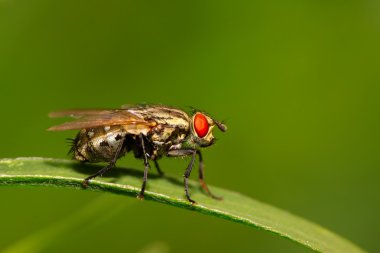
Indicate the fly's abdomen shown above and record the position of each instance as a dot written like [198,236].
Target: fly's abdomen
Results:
[98,144]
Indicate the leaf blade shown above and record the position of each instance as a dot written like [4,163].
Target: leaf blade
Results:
[234,207]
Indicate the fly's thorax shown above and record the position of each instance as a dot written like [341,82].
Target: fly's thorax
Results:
[172,125]
[163,115]
[98,144]
[164,136]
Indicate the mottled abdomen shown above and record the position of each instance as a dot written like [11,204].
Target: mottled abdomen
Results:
[98,144]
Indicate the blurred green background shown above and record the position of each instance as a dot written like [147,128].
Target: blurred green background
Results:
[296,81]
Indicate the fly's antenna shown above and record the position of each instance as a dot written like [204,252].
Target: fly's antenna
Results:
[222,127]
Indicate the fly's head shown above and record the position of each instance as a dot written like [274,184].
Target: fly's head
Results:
[201,126]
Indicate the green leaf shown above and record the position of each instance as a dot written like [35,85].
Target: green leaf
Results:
[235,207]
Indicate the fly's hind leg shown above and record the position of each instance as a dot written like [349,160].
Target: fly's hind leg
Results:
[110,165]
[201,177]
[158,168]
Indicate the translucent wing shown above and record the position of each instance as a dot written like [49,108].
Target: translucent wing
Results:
[96,118]
[77,113]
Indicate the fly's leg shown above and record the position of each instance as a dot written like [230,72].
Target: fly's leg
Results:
[147,166]
[201,177]
[108,167]
[186,176]
[158,168]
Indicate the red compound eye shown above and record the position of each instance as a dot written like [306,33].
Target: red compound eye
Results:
[201,125]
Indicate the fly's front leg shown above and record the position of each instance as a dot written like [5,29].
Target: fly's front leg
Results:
[186,176]
[147,166]
[110,165]
[201,177]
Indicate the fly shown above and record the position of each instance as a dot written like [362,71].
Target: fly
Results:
[149,131]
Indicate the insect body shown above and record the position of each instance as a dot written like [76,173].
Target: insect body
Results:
[149,131]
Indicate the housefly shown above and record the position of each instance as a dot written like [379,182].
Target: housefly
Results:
[149,131]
